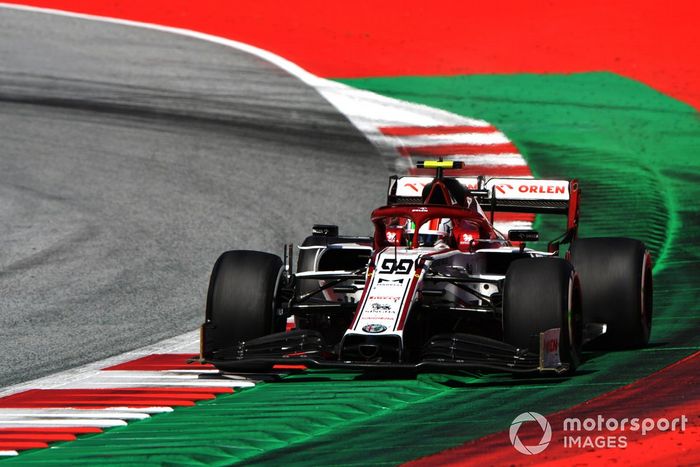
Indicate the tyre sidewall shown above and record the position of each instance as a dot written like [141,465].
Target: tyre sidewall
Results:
[241,297]
[615,276]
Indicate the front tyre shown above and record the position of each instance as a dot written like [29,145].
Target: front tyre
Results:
[541,294]
[241,299]
[617,288]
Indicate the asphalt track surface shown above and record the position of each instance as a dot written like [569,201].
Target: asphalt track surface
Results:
[129,160]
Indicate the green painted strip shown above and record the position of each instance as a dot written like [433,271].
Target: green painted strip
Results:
[635,153]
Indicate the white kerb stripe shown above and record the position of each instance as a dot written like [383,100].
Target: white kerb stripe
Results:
[455,138]
[147,410]
[7,414]
[146,383]
[61,422]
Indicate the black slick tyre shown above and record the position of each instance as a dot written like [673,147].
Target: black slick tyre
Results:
[617,289]
[241,299]
[541,294]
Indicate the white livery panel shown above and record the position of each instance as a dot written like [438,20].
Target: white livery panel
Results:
[389,293]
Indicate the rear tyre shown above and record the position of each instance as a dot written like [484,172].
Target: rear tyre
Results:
[241,299]
[541,294]
[617,287]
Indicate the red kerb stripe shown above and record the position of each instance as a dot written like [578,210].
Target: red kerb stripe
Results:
[45,430]
[458,149]
[44,437]
[122,391]
[99,404]
[435,130]
[21,445]
[103,398]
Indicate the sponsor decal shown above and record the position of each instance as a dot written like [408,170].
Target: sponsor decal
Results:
[550,348]
[534,189]
[391,237]
[501,188]
[381,307]
[414,186]
[383,297]
[541,189]
[466,238]
[390,281]
[505,188]
[374,328]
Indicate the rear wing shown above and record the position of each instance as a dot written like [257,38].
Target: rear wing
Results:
[523,195]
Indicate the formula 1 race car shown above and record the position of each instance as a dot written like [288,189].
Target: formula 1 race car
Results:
[436,287]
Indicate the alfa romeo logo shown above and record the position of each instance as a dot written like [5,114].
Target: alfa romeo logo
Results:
[374,328]
[546,433]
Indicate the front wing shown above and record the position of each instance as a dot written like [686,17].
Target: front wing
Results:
[443,353]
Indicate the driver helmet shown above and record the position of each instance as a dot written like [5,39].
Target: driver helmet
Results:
[432,233]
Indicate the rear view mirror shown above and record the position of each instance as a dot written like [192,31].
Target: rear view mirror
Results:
[523,235]
[325,230]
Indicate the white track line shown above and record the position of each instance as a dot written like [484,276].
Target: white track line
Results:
[151,375]
[143,410]
[61,422]
[146,410]
[11,414]
[144,383]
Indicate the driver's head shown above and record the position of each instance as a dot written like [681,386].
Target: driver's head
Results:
[431,232]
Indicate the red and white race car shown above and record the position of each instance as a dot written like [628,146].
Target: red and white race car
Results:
[436,288]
